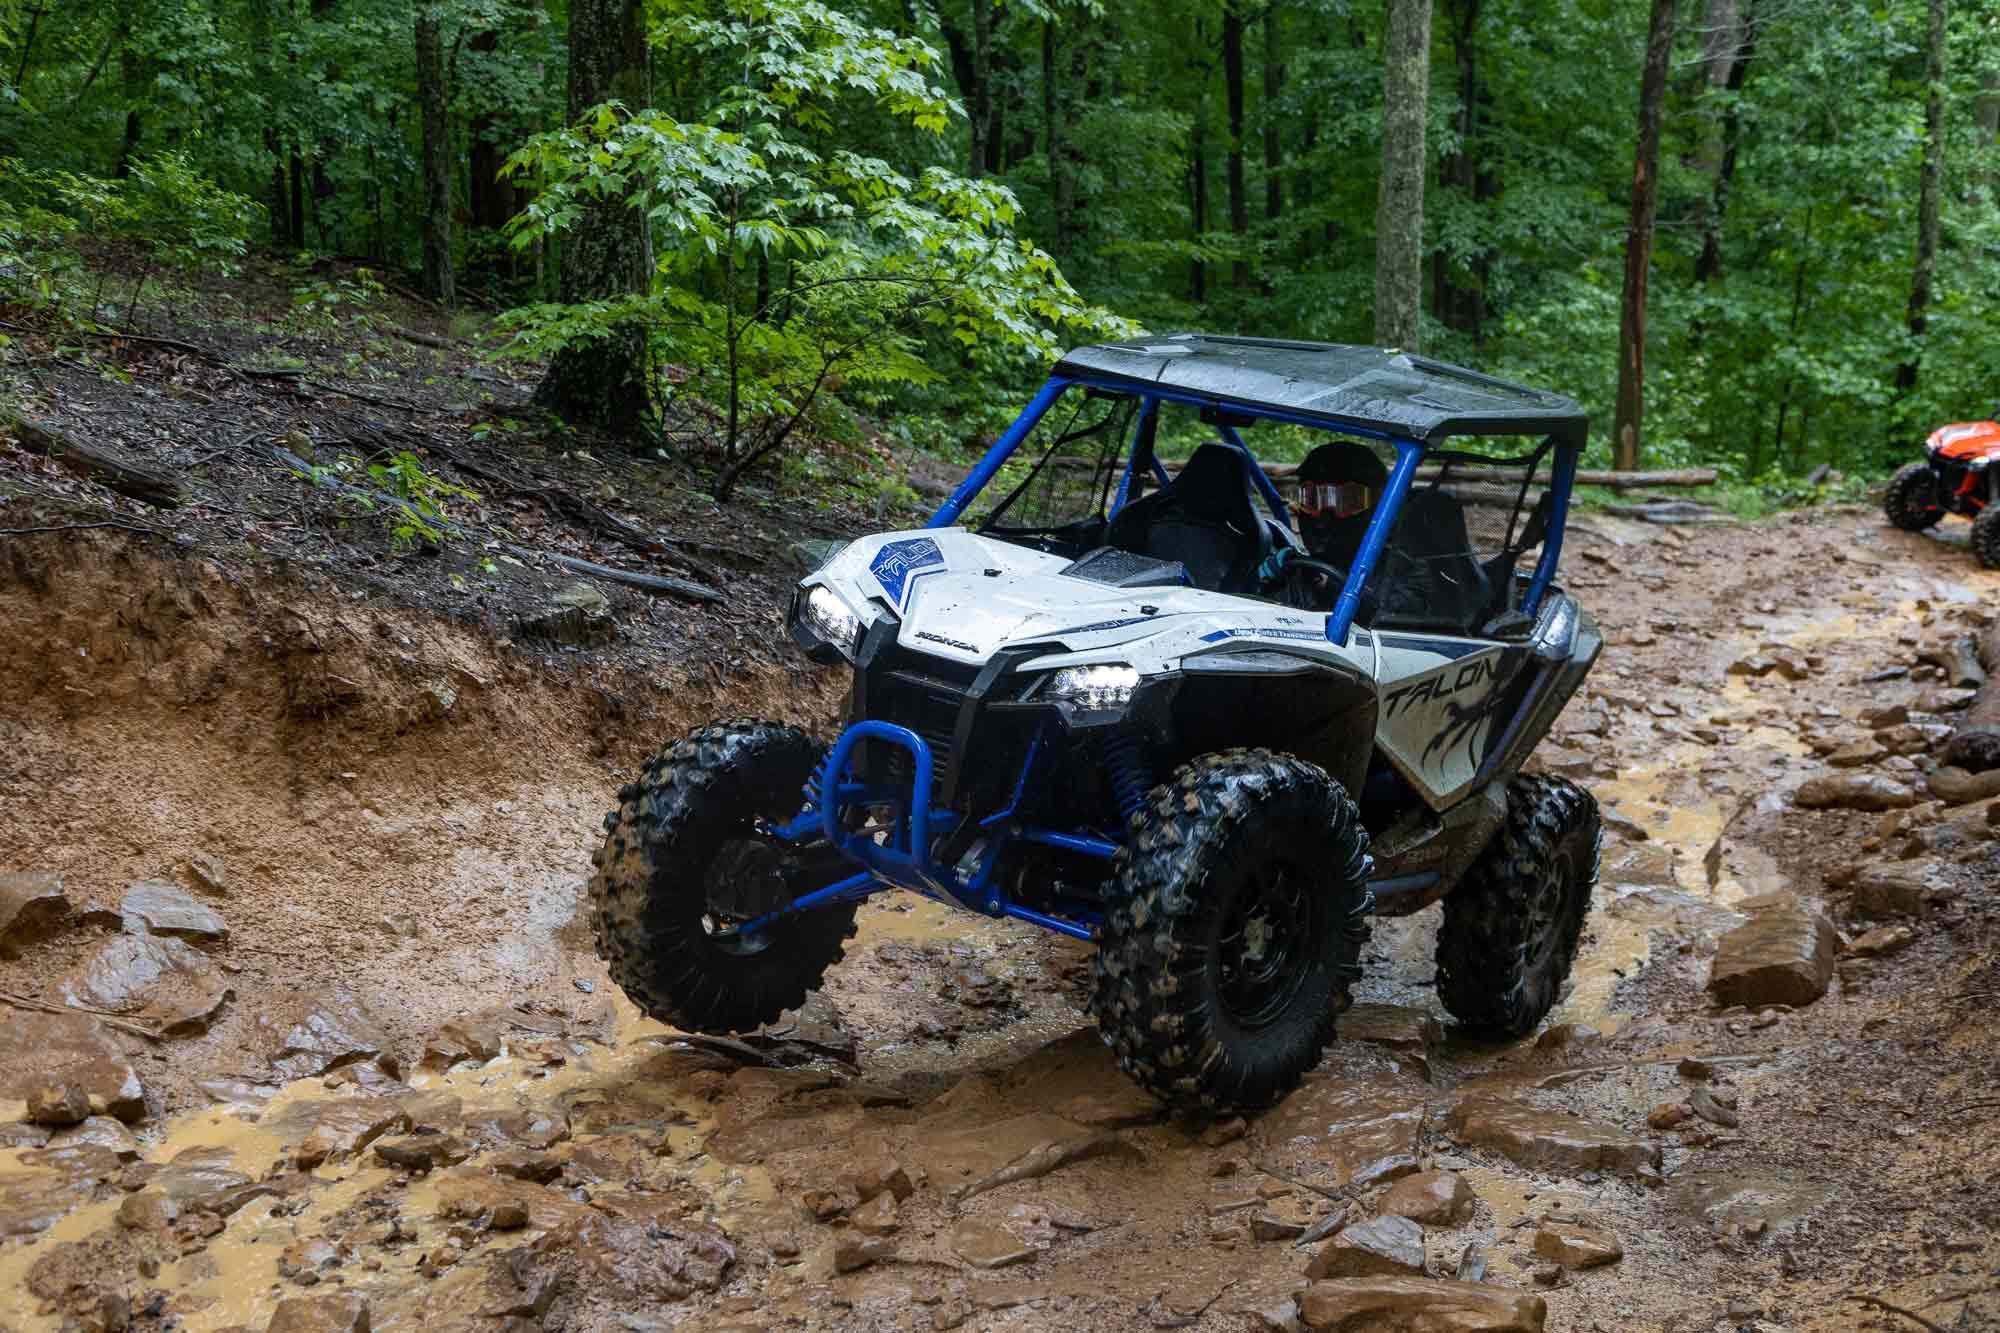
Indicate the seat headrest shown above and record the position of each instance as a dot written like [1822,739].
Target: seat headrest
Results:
[1215,483]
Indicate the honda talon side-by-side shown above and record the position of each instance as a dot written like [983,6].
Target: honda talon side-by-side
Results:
[1155,706]
[1960,474]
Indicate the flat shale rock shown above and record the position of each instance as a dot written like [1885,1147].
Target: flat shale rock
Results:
[39,1049]
[986,1245]
[1854,791]
[310,1034]
[1419,1305]
[1548,1140]
[1357,1132]
[155,979]
[1434,1198]
[1890,890]
[1381,1245]
[165,909]
[335,1312]
[29,904]
[1577,1244]
[1784,954]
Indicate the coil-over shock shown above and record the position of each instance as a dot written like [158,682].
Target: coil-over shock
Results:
[1123,754]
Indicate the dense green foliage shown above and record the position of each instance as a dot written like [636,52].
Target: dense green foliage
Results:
[877,205]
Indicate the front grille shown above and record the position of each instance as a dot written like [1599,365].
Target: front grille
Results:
[924,694]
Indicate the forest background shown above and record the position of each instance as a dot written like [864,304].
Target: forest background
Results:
[814,218]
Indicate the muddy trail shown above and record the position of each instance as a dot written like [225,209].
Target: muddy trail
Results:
[300,1028]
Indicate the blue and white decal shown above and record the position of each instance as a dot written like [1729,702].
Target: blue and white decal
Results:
[1263,632]
[899,564]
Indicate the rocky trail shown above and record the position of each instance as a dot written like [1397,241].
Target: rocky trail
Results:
[300,1029]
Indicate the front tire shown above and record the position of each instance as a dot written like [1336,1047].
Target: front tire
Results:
[683,858]
[1511,927]
[1236,931]
[1911,502]
[1985,539]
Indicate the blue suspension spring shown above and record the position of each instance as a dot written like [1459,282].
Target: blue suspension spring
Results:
[1124,756]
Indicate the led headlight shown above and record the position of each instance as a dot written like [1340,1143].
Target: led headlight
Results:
[828,617]
[1978,464]
[1108,685]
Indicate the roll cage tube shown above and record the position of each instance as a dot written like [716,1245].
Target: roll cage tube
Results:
[1003,448]
[1341,619]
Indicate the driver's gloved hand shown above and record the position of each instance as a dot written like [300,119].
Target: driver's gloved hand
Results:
[1273,567]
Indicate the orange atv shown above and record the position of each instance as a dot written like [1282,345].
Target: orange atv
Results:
[1953,479]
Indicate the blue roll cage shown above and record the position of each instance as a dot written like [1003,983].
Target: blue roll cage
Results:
[898,853]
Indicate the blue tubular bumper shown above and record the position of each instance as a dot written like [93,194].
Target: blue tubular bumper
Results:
[901,855]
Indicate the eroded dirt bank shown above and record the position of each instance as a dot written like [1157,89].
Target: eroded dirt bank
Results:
[363,1065]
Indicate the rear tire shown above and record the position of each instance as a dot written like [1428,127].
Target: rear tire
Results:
[1911,502]
[1986,537]
[1240,911]
[1510,929]
[682,853]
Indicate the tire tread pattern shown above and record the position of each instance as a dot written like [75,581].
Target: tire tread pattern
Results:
[1484,937]
[1910,503]
[646,897]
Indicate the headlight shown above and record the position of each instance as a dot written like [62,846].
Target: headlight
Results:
[828,617]
[1109,685]
[1978,464]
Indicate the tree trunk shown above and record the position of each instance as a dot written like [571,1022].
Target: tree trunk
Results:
[433,97]
[1274,82]
[1986,115]
[1708,267]
[606,252]
[1625,435]
[1399,208]
[1198,199]
[1927,195]
[971,56]
[1232,79]
[1456,305]
[296,209]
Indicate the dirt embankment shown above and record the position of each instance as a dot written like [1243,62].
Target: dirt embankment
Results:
[1765,1102]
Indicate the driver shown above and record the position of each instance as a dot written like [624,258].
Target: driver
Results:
[1339,484]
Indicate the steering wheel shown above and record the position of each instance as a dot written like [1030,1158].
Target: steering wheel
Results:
[1312,585]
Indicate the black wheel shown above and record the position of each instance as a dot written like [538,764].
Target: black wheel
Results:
[1235,933]
[1985,540]
[1911,502]
[1511,926]
[685,859]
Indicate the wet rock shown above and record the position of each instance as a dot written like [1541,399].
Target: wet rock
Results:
[538,1168]
[507,1217]
[100,1131]
[1269,1227]
[335,1312]
[1419,1305]
[1648,864]
[877,1174]
[1382,1245]
[1549,1140]
[342,1127]
[475,1038]
[21,1134]
[1711,1108]
[1955,786]
[876,1217]
[823,1205]
[1784,954]
[1881,942]
[1116,1106]
[158,980]
[207,873]
[1224,1132]
[422,1152]
[1398,1027]
[1754,665]
[202,1180]
[38,1049]
[1577,1245]
[1433,1198]
[986,1245]
[1857,754]
[632,1249]
[1669,1114]
[157,908]
[148,1210]
[1565,1040]
[29,905]
[58,1104]
[56,1182]
[535,1128]
[1853,791]
[303,1261]
[1890,890]
[1360,1133]
[308,1035]
[853,1253]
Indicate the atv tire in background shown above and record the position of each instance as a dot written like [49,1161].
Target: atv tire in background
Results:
[1510,928]
[1985,539]
[1911,502]
[1234,931]
[682,855]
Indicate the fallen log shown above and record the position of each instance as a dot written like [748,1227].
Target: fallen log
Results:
[630,578]
[104,466]
[1975,745]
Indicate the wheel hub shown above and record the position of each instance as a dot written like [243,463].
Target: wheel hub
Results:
[1262,949]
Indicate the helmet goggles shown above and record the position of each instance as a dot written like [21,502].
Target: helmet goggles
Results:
[1335,499]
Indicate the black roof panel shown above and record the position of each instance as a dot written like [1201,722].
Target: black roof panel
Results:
[1374,389]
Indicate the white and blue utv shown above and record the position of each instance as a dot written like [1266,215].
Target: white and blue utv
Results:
[1128,701]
